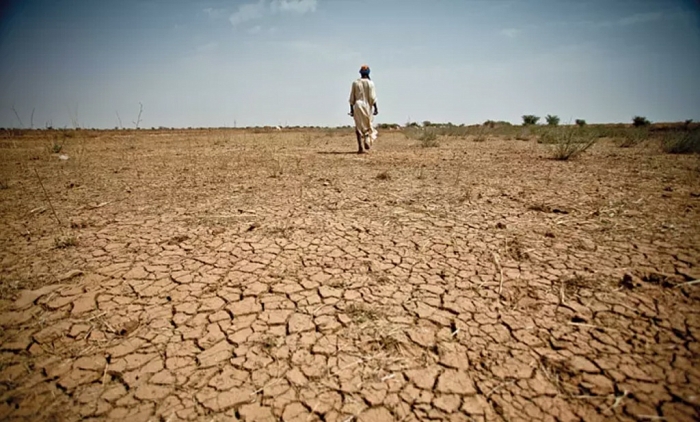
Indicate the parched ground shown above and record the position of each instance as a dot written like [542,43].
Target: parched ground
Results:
[223,275]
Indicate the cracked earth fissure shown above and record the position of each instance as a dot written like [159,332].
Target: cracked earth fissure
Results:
[436,294]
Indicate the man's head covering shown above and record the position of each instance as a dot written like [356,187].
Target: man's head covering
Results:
[364,70]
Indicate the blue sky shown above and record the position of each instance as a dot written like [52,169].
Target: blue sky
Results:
[276,62]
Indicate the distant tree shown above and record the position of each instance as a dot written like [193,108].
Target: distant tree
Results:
[490,124]
[552,120]
[580,122]
[640,121]
[427,123]
[530,119]
[687,123]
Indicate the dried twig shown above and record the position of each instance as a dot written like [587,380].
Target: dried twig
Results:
[688,283]
[47,197]
[500,272]
[498,387]
[17,115]
[618,400]
[100,205]
[138,119]
[562,293]
[104,374]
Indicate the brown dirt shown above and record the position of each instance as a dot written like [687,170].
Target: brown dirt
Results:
[223,275]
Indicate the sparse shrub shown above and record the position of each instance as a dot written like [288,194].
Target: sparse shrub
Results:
[383,176]
[530,119]
[634,137]
[552,120]
[427,123]
[455,131]
[426,136]
[682,142]
[490,124]
[68,133]
[63,242]
[523,135]
[580,122]
[567,143]
[480,137]
[276,170]
[609,132]
[4,184]
[639,121]
[56,146]
[268,343]
[428,139]
[687,123]
[360,313]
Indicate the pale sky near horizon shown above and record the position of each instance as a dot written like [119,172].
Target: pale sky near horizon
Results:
[214,63]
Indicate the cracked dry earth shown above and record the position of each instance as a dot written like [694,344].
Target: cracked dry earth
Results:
[221,276]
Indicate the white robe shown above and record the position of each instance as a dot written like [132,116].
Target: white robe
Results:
[362,98]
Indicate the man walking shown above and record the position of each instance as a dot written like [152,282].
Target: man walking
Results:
[363,106]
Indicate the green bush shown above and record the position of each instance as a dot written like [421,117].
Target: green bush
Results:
[640,121]
[552,120]
[687,142]
[633,137]
[530,119]
[580,122]
[56,145]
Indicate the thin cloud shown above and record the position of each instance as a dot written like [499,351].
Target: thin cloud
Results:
[638,18]
[634,19]
[510,32]
[213,13]
[296,6]
[248,12]
[253,11]
[208,48]
[255,30]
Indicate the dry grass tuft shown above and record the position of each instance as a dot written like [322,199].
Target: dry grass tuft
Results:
[359,312]
[687,142]
[56,146]
[63,242]
[515,250]
[567,142]
[268,343]
[481,136]
[384,176]
[634,137]
[540,207]
[387,342]
[427,137]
